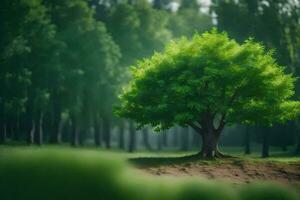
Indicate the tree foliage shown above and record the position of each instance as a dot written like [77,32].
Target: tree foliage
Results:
[210,76]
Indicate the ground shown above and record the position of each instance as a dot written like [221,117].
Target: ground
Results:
[233,170]
[282,168]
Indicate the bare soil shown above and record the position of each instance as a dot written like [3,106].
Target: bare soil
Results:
[233,170]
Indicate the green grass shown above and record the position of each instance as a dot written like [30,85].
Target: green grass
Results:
[52,173]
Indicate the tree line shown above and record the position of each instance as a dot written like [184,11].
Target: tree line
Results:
[62,62]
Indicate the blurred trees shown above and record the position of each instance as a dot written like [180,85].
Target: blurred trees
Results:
[62,62]
[274,23]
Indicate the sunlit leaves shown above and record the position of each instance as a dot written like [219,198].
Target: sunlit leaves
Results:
[210,74]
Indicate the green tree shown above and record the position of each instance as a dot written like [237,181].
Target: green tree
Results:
[28,37]
[88,59]
[206,83]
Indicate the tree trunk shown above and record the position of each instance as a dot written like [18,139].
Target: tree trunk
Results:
[175,137]
[265,143]
[97,131]
[17,130]
[284,141]
[165,138]
[185,139]
[81,137]
[3,134]
[39,133]
[159,142]
[75,134]
[132,137]
[55,137]
[247,141]
[30,138]
[210,140]
[106,130]
[297,140]
[146,139]
[59,131]
[121,135]
[195,139]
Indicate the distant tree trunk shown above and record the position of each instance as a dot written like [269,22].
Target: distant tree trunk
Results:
[97,131]
[75,133]
[121,134]
[297,140]
[106,130]
[81,137]
[159,142]
[175,136]
[284,138]
[165,138]
[55,137]
[3,134]
[247,141]
[39,133]
[17,128]
[132,137]
[11,130]
[185,139]
[59,131]
[265,143]
[195,139]
[30,138]
[146,139]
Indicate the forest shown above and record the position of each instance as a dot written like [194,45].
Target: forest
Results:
[154,82]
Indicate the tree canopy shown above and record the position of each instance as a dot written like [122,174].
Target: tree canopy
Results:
[209,78]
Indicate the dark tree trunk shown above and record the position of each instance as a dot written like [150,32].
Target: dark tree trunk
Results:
[106,130]
[82,135]
[30,138]
[159,142]
[297,140]
[265,143]
[39,133]
[121,134]
[284,132]
[132,137]
[196,142]
[97,131]
[55,137]
[17,129]
[185,139]
[75,134]
[59,131]
[175,137]
[247,141]
[3,134]
[165,138]
[210,140]
[146,139]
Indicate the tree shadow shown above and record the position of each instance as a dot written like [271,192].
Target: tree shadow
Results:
[161,161]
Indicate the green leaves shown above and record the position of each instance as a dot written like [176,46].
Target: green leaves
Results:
[210,74]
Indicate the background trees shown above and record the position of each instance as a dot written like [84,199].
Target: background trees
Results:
[63,62]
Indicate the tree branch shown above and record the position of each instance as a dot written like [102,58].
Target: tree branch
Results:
[222,121]
[196,128]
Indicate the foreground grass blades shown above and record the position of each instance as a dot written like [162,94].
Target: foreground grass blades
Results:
[48,174]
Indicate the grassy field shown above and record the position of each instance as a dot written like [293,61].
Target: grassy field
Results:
[29,173]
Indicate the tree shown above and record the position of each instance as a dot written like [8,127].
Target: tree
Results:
[247,140]
[206,83]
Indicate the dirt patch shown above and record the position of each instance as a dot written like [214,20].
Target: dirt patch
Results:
[236,171]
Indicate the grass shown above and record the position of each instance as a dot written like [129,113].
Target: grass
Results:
[48,173]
